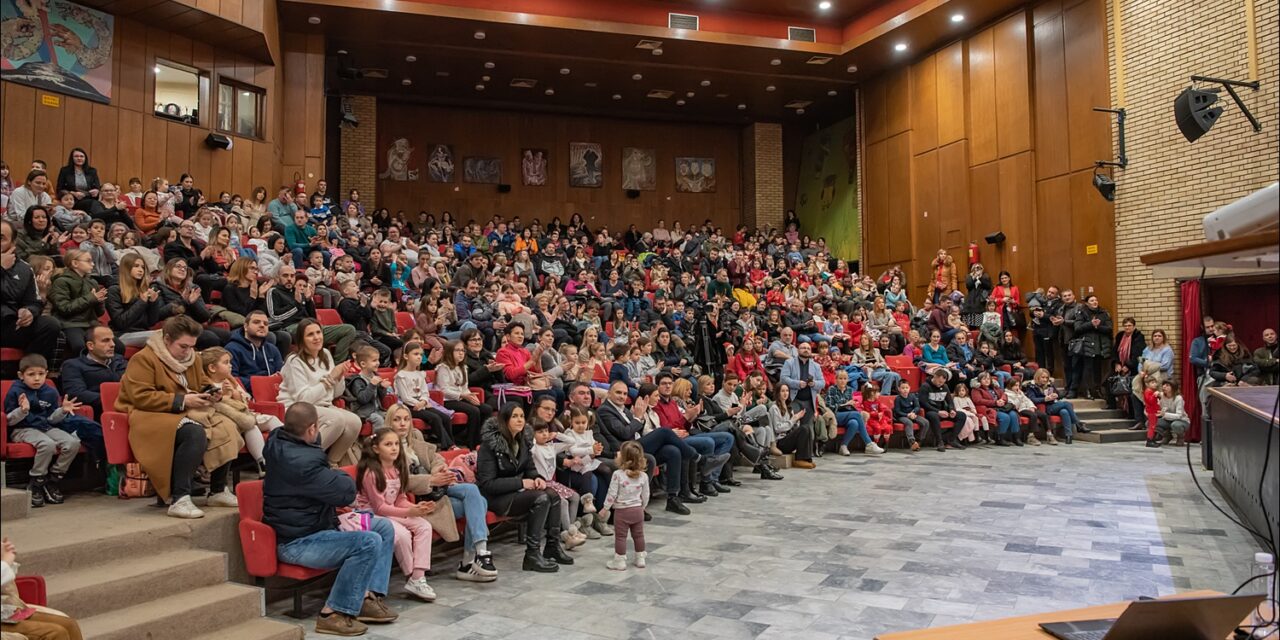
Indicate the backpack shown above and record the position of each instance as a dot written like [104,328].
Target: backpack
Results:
[135,483]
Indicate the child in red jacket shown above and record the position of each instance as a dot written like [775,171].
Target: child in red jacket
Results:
[1151,403]
[880,417]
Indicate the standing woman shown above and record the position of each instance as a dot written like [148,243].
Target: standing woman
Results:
[1008,303]
[1092,343]
[452,378]
[311,375]
[978,283]
[132,305]
[1128,346]
[79,178]
[1160,352]
[509,480]
[944,276]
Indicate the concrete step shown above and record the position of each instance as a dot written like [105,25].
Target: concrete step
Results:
[1108,431]
[1091,415]
[207,610]
[15,504]
[261,629]
[96,589]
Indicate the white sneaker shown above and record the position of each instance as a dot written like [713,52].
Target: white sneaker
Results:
[844,451]
[588,503]
[184,508]
[874,449]
[223,498]
[618,563]
[640,556]
[421,589]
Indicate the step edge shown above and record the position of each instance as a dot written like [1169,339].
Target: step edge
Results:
[125,617]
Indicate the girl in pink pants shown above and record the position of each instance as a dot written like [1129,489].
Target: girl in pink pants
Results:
[382,465]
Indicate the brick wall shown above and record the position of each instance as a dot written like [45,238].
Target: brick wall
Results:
[762,202]
[1170,185]
[358,160]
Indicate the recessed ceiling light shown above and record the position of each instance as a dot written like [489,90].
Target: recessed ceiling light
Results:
[688,94]
[957,17]
[775,62]
[411,58]
[484,78]
[824,5]
[406,82]
[342,52]
[442,74]
[680,102]
[479,35]
[550,91]
[656,52]
[705,83]
[722,95]
[564,71]
[479,87]
[832,92]
[799,112]
[314,19]
[853,68]
[489,65]
[617,96]
[741,106]
[770,88]
[591,84]
[636,76]
[901,46]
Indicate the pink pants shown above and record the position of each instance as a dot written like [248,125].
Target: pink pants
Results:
[413,543]
[628,520]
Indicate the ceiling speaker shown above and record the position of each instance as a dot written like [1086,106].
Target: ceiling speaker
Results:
[1195,112]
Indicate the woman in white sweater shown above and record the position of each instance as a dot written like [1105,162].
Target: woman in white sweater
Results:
[451,379]
[1173,420]
[310,375]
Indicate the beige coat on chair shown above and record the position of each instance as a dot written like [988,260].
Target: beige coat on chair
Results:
[443,520]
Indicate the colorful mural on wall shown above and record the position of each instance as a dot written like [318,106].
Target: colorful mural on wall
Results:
[57,46]
[827,189]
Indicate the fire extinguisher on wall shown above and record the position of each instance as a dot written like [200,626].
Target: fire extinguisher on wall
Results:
[299,185]
[973,253]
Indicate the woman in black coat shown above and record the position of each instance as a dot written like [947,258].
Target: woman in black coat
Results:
[80,178]
[978,286]
[506,475]
[1092,344]
[1128,345]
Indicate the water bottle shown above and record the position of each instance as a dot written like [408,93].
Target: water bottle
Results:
[1264,617]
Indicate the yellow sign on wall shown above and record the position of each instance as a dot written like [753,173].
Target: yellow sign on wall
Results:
[50,101]
[1090,249]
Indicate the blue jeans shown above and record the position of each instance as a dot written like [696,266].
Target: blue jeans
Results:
[300,256]
[89,433]
[888,380]
[468,503]
[1064,410]
[712,444]
[362,558]
[858,377]
[1006,422]
[812,337]
[854,425]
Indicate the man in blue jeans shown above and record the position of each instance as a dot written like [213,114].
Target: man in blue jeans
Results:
[300,496]
[713,446]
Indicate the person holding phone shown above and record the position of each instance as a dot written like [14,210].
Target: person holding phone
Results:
[312,375]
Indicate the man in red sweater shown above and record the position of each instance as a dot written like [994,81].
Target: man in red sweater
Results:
[714,446]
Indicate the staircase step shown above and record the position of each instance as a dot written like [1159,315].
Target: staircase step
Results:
[207,610]
[15,504]
[1098,414]
[86,592]
[1106,434]
[261,629]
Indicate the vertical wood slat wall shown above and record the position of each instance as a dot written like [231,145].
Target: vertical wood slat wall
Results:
[996,132]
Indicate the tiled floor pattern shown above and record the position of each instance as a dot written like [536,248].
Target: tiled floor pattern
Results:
[862,545]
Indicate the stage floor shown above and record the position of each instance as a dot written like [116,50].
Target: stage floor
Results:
[863,545]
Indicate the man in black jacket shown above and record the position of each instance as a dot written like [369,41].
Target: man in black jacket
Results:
[935,399]
[299,499]
[616,424]
[82,377]
[22,323]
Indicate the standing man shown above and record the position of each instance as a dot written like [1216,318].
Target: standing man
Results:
[1065,320]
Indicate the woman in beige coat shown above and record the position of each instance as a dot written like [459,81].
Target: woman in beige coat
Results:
[173,428]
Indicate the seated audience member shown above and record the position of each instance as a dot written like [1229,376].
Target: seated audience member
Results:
[38,236]
[173,427]
[252,353]
[233,402]
[794,435]
[290,301]
[523,367]
[102,252]
[21,311]
[28,621]
[84,375]
[380,476]
[133,306]
[38,417]
[300,498]
[616,424]
[366,390]
[32,193]
[452,380]
[507,477]
[311,375]
[179,295]
[935,400]
[1041,391]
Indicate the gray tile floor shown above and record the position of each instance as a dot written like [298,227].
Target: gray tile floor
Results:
[861,546]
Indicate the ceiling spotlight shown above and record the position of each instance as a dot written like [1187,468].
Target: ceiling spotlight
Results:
[853,68]
[679,103]
[484,78]
[688,94]
[833,93]
[775,62]
[564,71]
[314,19]
[480,87]
[770,88]
[406,82]
[957,17]
[656,52]
[705,83]
[799,112]
[617,96]
[742,106]
[824,5]
[489,65]
[479,35]
[342,52]
[550,91]
[901,46]
[636,76]
[411,58]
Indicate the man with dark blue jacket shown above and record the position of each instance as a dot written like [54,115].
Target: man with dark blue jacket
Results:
[82,377]
[299,500]
[251,353]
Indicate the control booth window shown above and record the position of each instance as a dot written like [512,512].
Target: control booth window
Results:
[178,91]
[240,109]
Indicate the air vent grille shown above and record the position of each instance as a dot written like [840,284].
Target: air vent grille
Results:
[797,104]
[649,44]
[802,34]
[370,72]
[818,60]
[682,21]
[523,83]
[662,94]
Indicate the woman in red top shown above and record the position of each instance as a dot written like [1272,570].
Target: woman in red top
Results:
[1007,296]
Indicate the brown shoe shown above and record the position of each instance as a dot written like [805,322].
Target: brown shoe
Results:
[339,624]
[375,610]
[803,464]
[915,445]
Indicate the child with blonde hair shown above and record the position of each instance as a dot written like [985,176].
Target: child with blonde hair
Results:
[629,493]
[234,403]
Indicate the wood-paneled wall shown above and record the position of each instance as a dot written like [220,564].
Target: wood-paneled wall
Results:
[302,140]
[125,139]
[996,133]
[503,134]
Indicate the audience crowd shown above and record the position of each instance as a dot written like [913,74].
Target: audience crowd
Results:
[431,370]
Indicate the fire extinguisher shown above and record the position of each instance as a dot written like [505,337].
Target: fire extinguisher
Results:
[300,185]
[973,253]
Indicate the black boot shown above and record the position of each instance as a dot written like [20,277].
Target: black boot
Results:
[1000,441]
[535,535]
[553,550]
[766,472]
[52,493]
[1153,444]
[686,486]
[708,489]
[674,505]
[36,487]
[1081,427]
[1017,439]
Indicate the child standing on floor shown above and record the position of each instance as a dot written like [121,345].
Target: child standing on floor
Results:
[382,468]
[879,417]
[37,418]
[629,492]
[1151,403]
[545,452]
[234,403]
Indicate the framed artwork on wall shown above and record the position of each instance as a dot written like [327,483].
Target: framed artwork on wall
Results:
[639,169]
[482,170]
[585,165]
[696,175]
[533,167]
[75,60]
[440,163]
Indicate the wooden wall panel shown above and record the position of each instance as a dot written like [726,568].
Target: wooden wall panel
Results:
[953,194]
[983,117]
[1053,237]
[1050,99]
[178,150]
[131,76]
[899,161]
[875,99]
[984,209]
[313,125]
[1013,85]
[1087,83]
[876,203]
[952,105]
[105,142]
[19,124]
[925,215]
[154,133]
[924,105]
[49,126]
[1017,213]
[898,101]
[77,124]
[266,167]
[1092,223]
[129,156]
[231,10]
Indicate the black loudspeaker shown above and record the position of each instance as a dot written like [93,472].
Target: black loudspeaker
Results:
[218,141]
[1195,112]
[504,188]
[1105,186]
[633,193]
[995,238]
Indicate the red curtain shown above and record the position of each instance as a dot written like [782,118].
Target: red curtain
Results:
[1190,329]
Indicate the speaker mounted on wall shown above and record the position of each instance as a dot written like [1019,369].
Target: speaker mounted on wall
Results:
[218,141]
[633,193]
[995,238]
